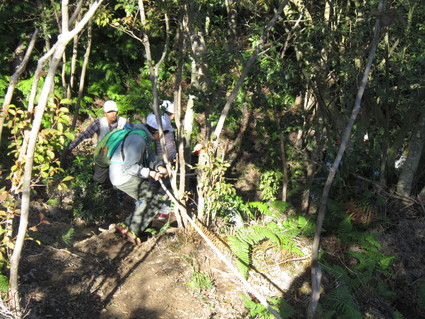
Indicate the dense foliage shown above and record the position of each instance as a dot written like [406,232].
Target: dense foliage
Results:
[282,131]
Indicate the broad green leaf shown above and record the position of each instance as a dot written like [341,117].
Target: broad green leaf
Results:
[68,178]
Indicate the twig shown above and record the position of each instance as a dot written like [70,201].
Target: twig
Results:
[5,312]
[382,189]
[289,260]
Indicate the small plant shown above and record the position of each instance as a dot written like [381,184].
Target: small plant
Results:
[201,280]
[90,201]
[161,231]
[257,310]
[66,238]
[4,286]
[269,185]
[50,141]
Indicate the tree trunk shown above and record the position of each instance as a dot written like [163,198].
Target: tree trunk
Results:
[183,145]
[63,39]
[282,157]
[70,84]
[37,75]
[15,78]
[200,80]
[231,21]
[316,273]
[409,168]
[83,75]
[154,78]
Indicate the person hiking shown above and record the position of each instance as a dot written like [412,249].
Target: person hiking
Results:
[170,143]
[109,122]
[132,163]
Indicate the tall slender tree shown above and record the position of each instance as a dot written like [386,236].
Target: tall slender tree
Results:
[63,39]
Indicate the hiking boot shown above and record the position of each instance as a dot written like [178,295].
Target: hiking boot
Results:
[165,211]
[128,234]
[164,216]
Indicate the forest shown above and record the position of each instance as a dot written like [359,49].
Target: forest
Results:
[298,189]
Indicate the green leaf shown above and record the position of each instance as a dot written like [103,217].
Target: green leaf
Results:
[50,154]
[67,178]
[4,283]
[70,136]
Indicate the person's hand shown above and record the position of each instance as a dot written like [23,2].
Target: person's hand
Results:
[162,171]
[155,175]
[66,158]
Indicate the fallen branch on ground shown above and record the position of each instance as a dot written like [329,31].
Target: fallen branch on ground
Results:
[219,254]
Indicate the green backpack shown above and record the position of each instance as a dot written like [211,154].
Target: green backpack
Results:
[109,143]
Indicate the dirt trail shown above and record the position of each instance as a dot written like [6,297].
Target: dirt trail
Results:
[104,276]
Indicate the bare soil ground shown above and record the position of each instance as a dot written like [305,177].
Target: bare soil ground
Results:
[98,274]
[101,275]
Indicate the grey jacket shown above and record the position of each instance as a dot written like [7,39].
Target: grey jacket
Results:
[136,157]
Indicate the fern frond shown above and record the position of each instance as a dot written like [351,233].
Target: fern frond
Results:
[273,209]
[68,236]
[345,226]
[278,207]
[242,251]
[338,273]
[262,207]
[255,234]
[241,244]
[341,300]
[372,240]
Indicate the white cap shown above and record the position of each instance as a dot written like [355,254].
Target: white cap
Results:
[151,121]
[110,106]
[168,106]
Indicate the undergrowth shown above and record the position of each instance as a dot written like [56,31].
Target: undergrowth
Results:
[90,201]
